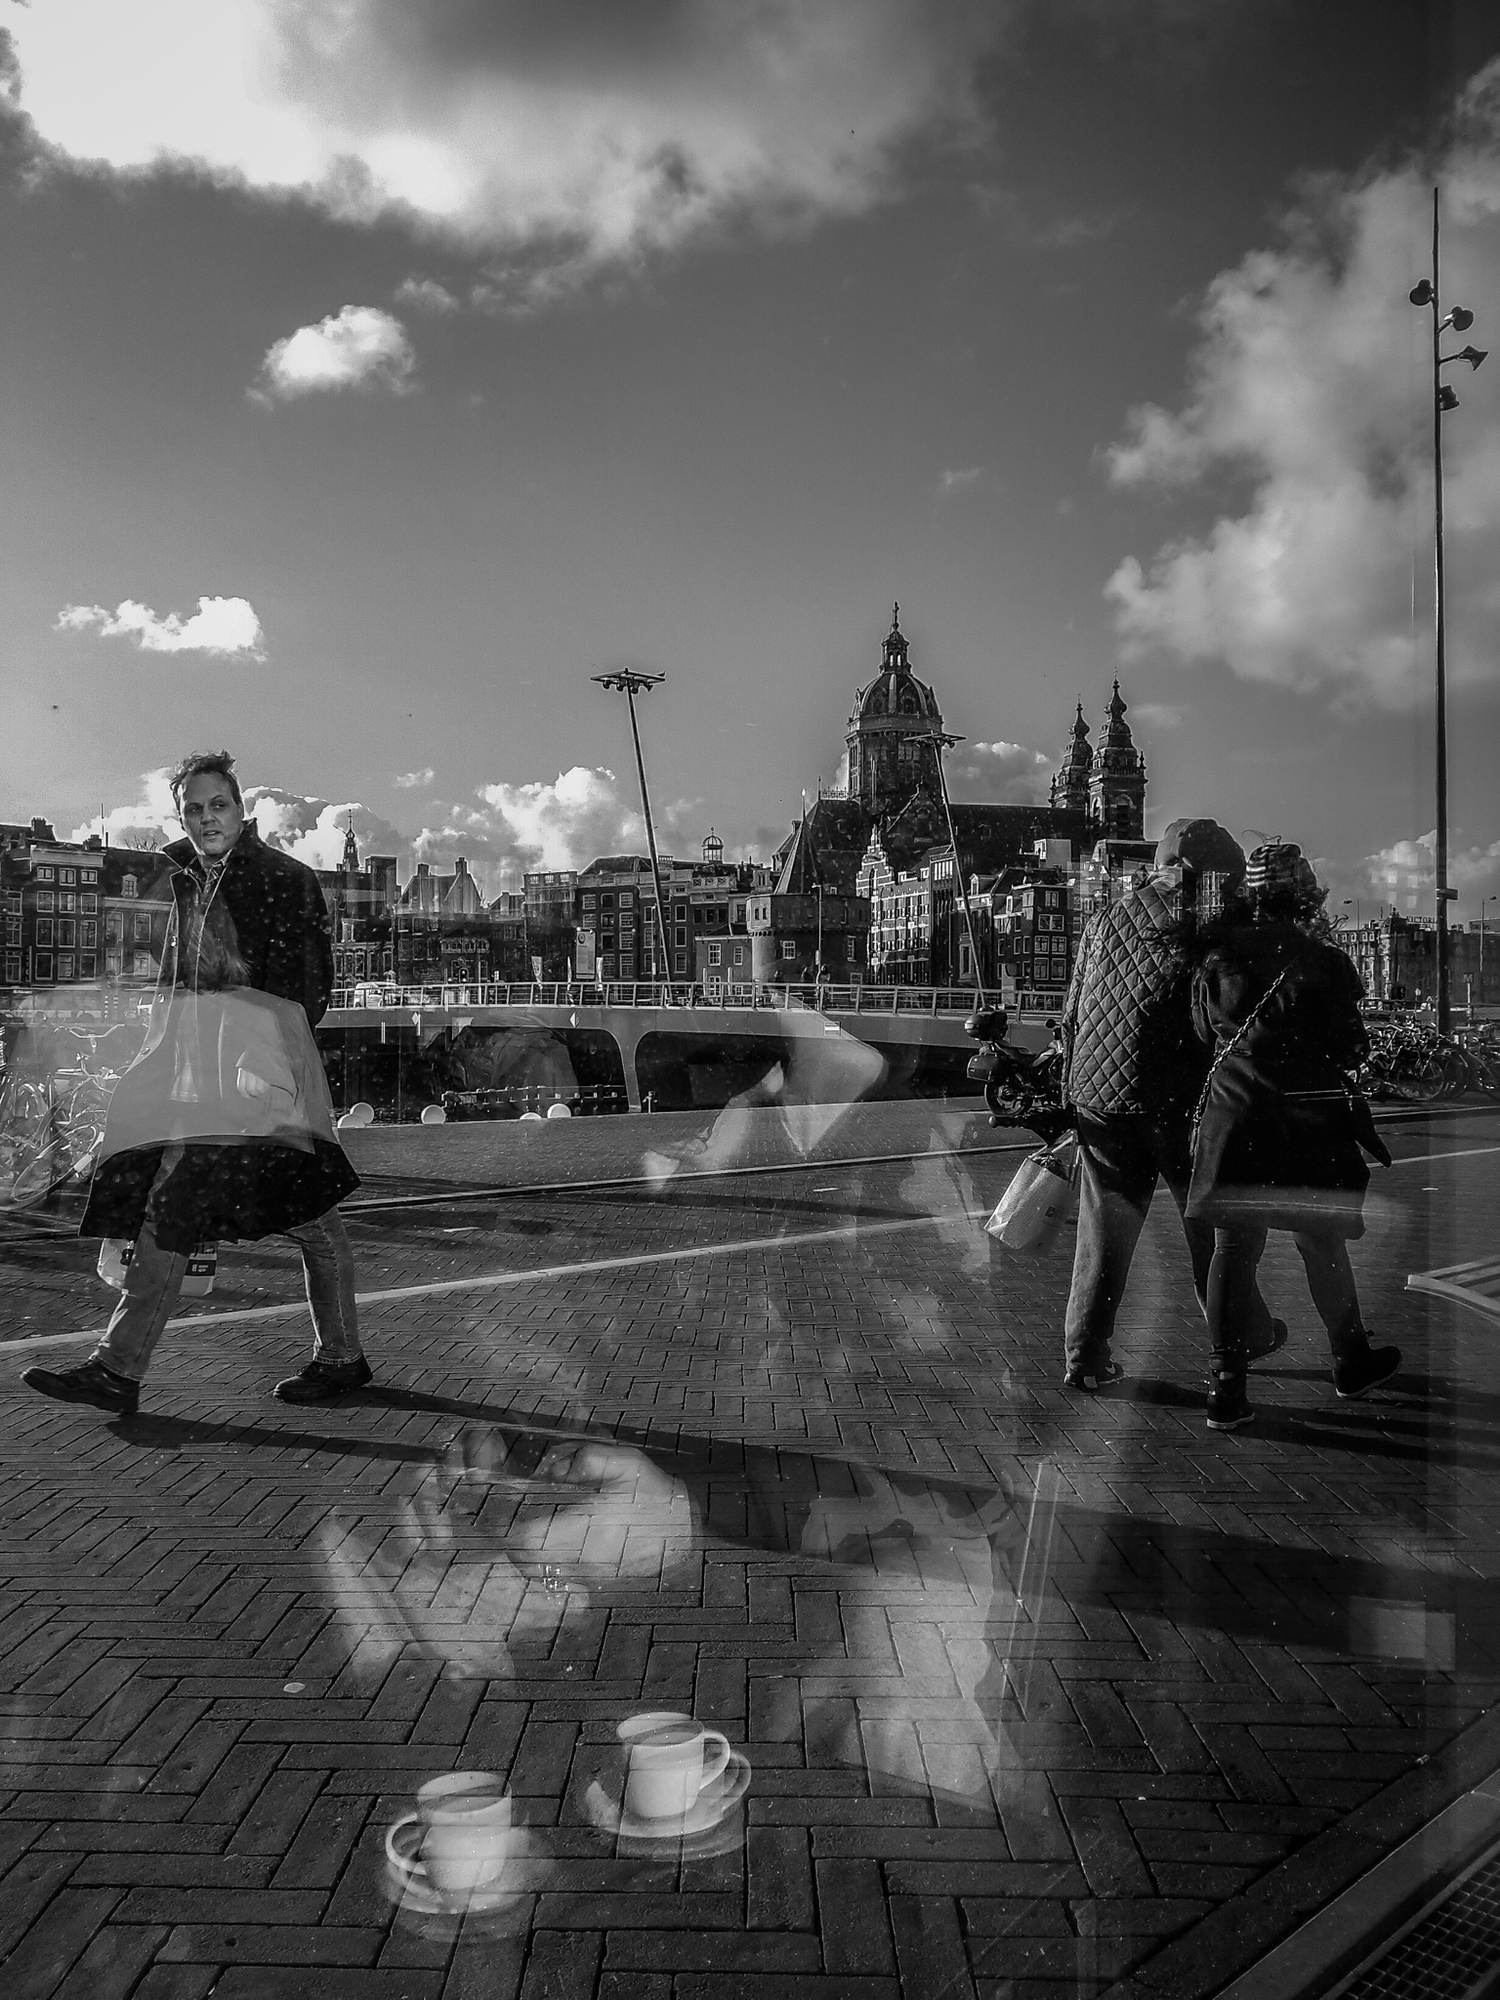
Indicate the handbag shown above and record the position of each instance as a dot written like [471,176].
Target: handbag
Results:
[1227,1049]
[1042,1196]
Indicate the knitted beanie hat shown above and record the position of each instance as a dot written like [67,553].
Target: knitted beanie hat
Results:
[1280,869]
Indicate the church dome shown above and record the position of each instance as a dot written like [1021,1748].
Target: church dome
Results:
[895,690]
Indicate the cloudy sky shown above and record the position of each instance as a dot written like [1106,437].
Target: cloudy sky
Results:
[370,375]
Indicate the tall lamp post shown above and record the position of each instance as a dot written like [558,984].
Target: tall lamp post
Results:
[632,684]
[1425,293]
[1482,902]
[941,741]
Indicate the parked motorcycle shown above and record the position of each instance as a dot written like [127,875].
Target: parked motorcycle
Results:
[1021,1086]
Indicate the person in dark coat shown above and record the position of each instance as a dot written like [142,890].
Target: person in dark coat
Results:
[1132,1071]
[223,1126]
[1281,1137]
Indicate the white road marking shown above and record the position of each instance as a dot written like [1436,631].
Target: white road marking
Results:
[494,1280]
[497,1279]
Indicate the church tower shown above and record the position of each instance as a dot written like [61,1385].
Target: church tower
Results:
[1070,787]
[888,764]
[350,859]
[1117,779]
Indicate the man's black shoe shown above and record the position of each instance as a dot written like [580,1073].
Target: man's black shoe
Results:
[1365,1369]
[1274,1344]
[324,1381]
[91,1382]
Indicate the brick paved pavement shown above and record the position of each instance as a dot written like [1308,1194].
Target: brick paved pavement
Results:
[234,1636]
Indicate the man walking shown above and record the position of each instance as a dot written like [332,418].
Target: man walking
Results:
[223,1126]
[1133,1072]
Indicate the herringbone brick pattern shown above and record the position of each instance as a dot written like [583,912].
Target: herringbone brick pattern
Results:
[1029,1683]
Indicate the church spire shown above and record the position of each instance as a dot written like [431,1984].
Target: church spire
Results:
[350,858]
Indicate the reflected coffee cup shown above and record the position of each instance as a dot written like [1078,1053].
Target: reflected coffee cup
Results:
[672,1760]
[466,1831]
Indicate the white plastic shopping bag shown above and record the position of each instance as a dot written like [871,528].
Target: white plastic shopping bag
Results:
[115,1253]
[1042,1196]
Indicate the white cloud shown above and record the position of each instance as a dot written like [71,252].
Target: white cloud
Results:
[358,347]
[1157,715]
[1309,383]
[999,773]
[221,625]
[571,136]
[150,822]
[411,780]
[563,824]
[1405,873]
[959,481]
[427,295]
[312,829]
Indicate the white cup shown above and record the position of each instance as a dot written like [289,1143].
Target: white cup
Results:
[466,1831]
[672,1759]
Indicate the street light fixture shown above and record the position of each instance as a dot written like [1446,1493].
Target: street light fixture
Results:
[1425,293]
[941,741]
[631,684]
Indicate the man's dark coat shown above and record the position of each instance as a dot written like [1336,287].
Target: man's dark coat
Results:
[282,936]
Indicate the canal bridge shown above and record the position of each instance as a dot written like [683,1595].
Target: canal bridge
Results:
[672,1044]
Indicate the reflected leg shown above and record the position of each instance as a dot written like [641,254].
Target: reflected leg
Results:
[328,1269]
[1117,1180]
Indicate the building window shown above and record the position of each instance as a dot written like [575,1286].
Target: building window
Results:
[715,954]
[143,924]
[45,875]
[13,969]
[45,900]
[851,946]
[41,962]
[127,887]
[67,901]
[86,966]
[682,934]
[88,904]
[44,930]
[13,930]
[67,875]
[65,931]
[739,954]
[789,947]
[89,875]
[682,913]
[140,964]
[679,962]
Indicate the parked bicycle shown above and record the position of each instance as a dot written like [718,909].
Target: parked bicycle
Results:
[1414,1064]
[51,1128]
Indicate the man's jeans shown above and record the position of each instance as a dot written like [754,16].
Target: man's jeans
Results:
[153,1279]
[1123,1157]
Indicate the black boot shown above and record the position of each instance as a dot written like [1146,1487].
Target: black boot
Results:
[1228,1406]
[1361,1368]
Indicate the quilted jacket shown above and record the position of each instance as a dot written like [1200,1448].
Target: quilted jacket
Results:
[1127,1022]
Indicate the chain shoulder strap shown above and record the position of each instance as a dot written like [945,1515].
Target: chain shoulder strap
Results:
[1228,1048]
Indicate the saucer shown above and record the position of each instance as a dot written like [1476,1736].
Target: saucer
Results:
[713,1805]
[402,1844]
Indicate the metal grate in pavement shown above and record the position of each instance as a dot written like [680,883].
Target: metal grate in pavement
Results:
[1446,1954]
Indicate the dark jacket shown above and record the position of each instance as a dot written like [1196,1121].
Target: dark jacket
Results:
[1281,1133]
[1127,1021]
[276,942]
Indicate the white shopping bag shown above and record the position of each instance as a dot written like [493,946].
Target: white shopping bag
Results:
[115,1253]
[1042,1196]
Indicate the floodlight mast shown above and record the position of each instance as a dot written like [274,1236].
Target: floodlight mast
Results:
[941,741]
[627,681]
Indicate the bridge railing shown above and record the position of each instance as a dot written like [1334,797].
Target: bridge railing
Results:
[823,997]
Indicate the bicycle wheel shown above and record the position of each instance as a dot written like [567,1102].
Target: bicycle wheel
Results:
[1418,1080]
[37,1176]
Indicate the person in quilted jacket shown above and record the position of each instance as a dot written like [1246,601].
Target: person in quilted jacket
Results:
[223,1126]
[1132,1075]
